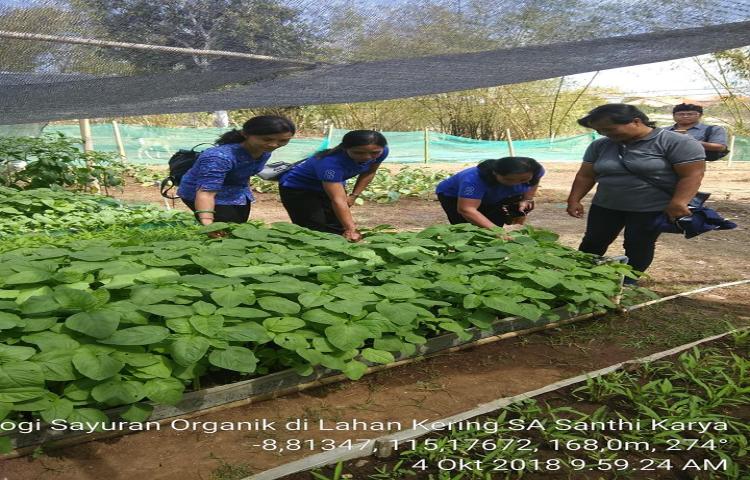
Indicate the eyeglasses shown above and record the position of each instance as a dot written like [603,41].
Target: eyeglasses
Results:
[686,114]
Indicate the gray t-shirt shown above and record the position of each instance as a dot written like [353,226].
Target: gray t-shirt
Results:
[700,132]
[651,157]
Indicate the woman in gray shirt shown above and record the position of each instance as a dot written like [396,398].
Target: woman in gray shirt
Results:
[642,172]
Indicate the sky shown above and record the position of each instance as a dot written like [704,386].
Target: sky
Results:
[673,78]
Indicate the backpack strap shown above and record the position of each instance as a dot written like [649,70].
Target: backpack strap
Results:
[709,131]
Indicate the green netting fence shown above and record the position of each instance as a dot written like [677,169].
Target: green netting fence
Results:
[154,145]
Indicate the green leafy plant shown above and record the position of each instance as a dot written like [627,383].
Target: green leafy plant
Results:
[89,325]
[55,159]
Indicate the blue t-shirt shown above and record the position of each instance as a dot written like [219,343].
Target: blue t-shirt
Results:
[336,168]
[226,170]
[468,184]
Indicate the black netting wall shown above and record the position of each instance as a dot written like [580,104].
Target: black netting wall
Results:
[328,52]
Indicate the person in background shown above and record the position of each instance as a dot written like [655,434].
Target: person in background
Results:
[216,188]
[494,193]
[314,192]
[642,172]
[687,119]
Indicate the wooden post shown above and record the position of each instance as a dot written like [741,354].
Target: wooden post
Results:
[510,143]
[730,156]
[118,141]
[330,135]
[426,145]
[88,143]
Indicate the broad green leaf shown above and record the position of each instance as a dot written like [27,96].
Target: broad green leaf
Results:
[96,366]
[115,392]
[71,298]
[49,341]
[389,343]
[204,308]
[188,350]
[290,341]
[351,307]
[246,332]
[251,271]
[377,356]
[15,354]
[395,291]
[137,413]
[454,287]
[283,324]
[89,418]
[60,409]
[57,365]
[28,276]
[242,312]
[318,315]
[279,304]
[20,374]
[314,299]
[36,305]
[9,320]
[168,310]
[165,390]
[233,296]
[157,276]
[207,325]
[145,335]
[350,292]
[346,337]
[354,370]
[238,359]
[97,324]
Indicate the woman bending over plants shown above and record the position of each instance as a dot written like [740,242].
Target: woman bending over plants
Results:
[494,193]
[314,192]
[216,188]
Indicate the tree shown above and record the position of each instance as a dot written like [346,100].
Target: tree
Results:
[264,27]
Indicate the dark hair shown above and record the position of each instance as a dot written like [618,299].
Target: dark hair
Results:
[618,113]
[356,138]
[509,166]
[260,125]
[688,107]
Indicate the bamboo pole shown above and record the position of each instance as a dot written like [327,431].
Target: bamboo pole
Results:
[426,145]
[88,142]
[510,143]
[143,46]
[730,157]
[118,140]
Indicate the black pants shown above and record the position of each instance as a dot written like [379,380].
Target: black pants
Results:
[604,225]
[310,209]
[494,213]
[225,213]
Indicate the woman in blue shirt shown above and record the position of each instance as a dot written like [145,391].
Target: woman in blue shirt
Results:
[314,192]
[217,187]
[494,193]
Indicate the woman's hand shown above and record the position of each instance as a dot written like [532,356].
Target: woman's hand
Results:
[675,211]
[352,235]
[350,200]
[575,209]
[218,234]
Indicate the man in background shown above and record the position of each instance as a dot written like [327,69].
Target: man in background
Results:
[687,119]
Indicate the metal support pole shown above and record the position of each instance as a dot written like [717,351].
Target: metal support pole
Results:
[426,145]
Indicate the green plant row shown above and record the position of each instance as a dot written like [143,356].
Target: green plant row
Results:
[93,325]
[684,418]
[58,210]
[386,187]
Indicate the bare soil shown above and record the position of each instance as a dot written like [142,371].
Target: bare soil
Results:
[447,384]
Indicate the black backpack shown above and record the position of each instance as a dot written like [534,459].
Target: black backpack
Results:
[179,164]
[712,156]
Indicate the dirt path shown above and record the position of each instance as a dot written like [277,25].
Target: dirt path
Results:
[447,384]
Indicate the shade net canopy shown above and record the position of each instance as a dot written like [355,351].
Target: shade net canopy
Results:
[317,52]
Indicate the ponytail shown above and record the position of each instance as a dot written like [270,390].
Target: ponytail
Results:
[260,125]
